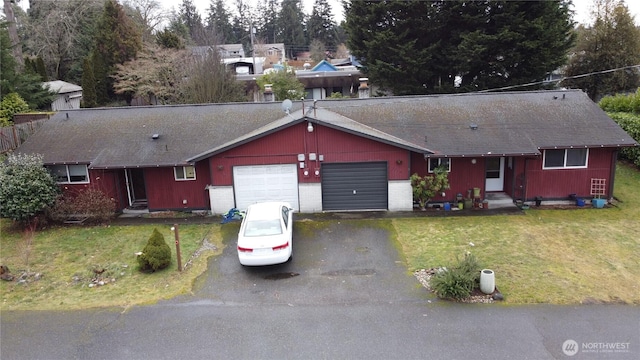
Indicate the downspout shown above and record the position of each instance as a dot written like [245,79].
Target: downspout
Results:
[524,180]
[612,175]
[513,179]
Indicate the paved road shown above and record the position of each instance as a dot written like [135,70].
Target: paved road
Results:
[352,298]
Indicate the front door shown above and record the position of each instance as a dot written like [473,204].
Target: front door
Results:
[494,174]
[135,187]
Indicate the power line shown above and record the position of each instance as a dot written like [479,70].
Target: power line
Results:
[558,81]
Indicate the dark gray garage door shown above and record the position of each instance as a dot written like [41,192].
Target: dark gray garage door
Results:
[354,186]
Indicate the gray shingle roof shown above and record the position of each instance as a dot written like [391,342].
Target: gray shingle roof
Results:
[122,137]
[511,123]
[507,124]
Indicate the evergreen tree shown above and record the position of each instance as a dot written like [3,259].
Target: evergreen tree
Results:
[612,42]
[40,68]
[118,40]
[267,27]
[292,27]
[219,23]
[27,84]
[414,47]
[156,255]
[321,25]
[88,84]
[188,15]
[242,23]
[167,39]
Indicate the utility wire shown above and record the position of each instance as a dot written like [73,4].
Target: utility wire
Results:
[561,79]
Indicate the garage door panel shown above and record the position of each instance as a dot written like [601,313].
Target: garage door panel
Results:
[354,186]
[265,183]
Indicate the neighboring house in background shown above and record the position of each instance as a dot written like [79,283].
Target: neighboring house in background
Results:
[325,79]
[272,52]
[68,95]
[334,155]
[228,51]
[245,66]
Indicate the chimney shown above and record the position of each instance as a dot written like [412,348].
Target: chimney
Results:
[268,93]
[363,90]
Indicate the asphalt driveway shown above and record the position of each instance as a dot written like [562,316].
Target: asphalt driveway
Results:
[334,262]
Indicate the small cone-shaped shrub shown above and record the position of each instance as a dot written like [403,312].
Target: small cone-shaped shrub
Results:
[156,254]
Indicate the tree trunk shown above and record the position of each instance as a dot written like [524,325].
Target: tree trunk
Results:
[13,35]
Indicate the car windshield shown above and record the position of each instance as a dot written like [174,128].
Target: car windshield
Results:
[262,228]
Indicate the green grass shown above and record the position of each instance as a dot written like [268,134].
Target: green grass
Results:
[65,256]
[547,256]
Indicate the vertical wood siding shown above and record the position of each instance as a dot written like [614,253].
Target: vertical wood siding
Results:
[165,193]
[558,184]
[284,146]
[102,180]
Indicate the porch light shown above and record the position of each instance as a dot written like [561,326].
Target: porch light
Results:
[310,127]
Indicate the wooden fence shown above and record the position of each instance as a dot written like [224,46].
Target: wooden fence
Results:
[13,136]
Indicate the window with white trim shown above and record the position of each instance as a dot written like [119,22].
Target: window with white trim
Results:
[565,159]
[182,173]
[435,162]
[69,174]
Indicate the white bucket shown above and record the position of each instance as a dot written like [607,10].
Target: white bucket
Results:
[487,281]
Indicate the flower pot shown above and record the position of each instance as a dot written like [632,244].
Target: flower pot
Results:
[598,203]
[487,281]
[468,203]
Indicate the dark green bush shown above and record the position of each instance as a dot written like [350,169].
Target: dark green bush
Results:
[631,124]
[156,255]
[459,281]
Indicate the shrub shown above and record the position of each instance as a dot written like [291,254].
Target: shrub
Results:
[156,255]
[26,188]
[91,203]
[459,281]
[10,105]
[426,187]
[621,103]
[631,124]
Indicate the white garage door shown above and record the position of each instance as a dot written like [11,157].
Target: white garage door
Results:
[259,183]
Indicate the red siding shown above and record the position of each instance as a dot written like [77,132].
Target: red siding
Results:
[558,184]
[164,192]
[103,180]
[284,146]
[463,176]
[521,184]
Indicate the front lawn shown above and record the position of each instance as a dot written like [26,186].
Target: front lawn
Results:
[66,257]
[547,256]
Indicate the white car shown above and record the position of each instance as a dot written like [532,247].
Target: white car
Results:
[265,236]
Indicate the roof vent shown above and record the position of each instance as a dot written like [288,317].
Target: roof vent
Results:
[473,126]
[155,136]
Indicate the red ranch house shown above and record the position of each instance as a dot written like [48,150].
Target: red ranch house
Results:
[331,155]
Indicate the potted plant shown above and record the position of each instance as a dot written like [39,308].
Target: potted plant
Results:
[598,202]
[426,187]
